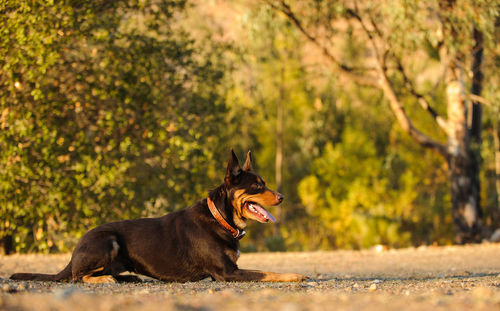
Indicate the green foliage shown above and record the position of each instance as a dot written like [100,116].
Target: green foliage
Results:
[271,75]
[351,179]
[361,196]
[350,196]
[410,201]
[109,111]
[112,110]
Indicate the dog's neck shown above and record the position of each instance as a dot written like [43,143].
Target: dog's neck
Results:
[235,232]
[220,198]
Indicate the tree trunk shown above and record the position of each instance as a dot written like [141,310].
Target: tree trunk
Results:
[464,124]
[279,149]
[466,211]
[462,167]
[496,136]
[7,245]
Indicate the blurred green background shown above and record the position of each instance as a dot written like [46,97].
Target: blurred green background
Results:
[121,109]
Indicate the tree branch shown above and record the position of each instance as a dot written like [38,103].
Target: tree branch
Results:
[405,121]
[382,82]
[346,69]
[421,99]
[390,94]
[478,99]
[356,16]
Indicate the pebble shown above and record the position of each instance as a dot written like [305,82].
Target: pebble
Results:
[7,288]
[379,248]
[64,293]
[372,287]
[22,286]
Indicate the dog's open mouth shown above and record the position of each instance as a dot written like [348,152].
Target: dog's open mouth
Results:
[258,212]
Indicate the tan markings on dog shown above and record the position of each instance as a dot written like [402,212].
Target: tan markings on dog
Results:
[96,270]
[238,199]
[282,277]
[255,275]
[268,198]
[237,211]
[239,221]
[98,279]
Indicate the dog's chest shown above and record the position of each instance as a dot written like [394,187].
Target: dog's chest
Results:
[233,254]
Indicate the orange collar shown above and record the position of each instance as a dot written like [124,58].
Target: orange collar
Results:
[237,233]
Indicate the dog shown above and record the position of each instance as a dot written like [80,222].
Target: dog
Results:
[198,242]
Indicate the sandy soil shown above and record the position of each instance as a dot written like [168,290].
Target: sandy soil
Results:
[437,278]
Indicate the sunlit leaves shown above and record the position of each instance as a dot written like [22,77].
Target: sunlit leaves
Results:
[101,113]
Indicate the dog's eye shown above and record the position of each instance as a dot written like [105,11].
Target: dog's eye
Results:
[259,186]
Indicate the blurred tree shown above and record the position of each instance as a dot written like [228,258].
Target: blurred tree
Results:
[319,109]
[371,185]
[491,149]
[269,113]
[271,76]
[108,110]
[418,49]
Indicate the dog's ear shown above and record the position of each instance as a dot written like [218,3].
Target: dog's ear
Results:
[248,162]
[233,169]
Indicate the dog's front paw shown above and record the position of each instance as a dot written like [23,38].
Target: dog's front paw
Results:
[294,277]
[99,279]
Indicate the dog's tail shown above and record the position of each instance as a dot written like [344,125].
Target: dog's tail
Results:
[64,275]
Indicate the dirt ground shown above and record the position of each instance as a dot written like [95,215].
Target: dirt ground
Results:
[425,278]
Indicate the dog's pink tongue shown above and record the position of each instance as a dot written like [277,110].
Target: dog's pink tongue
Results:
[265,215]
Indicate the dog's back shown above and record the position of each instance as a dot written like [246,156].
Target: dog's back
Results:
[187,245]
[167,248]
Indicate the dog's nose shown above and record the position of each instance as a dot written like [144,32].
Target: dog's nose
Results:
[280,197]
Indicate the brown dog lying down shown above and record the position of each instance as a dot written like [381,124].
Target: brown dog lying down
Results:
[189,245]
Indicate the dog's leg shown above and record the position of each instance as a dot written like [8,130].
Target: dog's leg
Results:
[241,275]
[128,278]
[98,279]
[92,258]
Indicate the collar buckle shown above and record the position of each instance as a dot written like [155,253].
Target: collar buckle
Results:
[240,234]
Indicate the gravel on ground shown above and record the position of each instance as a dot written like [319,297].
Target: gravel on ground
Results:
[438,278]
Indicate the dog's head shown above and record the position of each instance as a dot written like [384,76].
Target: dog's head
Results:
[248,193]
